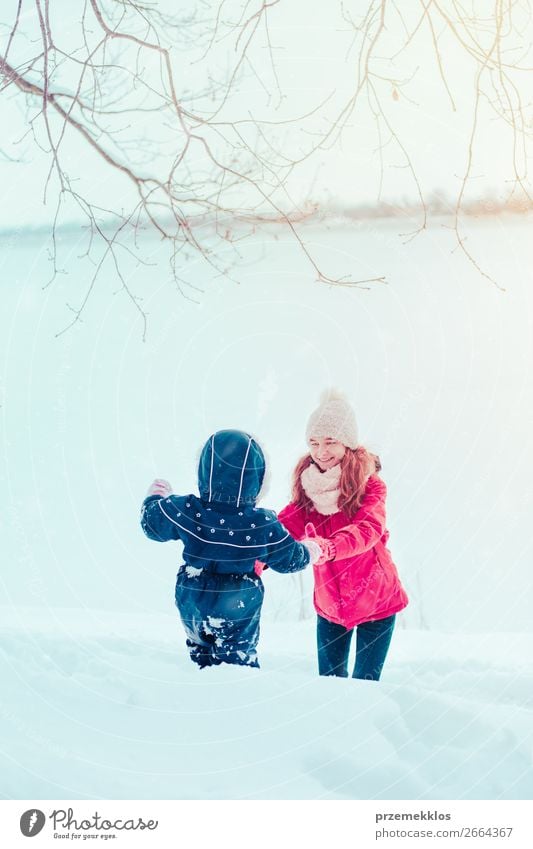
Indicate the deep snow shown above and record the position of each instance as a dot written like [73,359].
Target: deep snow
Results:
[98,698]
[109,706]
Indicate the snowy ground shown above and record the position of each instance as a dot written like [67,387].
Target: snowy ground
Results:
[98,699]
[100,706]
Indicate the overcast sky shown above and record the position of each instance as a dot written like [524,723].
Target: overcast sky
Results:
[311,50]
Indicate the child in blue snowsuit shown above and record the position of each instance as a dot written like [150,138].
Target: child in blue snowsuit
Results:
[218,592]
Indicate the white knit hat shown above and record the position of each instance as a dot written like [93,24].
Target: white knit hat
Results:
[335,418]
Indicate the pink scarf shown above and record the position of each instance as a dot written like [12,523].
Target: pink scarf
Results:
[323,488]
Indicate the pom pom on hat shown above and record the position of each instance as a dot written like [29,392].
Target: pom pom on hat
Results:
[334,417]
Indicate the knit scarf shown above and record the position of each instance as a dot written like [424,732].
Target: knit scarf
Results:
[323,488]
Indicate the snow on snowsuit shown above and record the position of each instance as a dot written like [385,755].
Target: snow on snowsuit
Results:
[218,593]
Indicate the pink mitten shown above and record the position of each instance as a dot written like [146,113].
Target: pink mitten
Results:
[259,568]
[160,487]
[327,546]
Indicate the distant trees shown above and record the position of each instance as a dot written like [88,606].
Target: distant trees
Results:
[436,205]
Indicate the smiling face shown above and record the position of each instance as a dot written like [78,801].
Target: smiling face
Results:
[326,451]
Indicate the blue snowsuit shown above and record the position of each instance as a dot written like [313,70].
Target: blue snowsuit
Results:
[218,593]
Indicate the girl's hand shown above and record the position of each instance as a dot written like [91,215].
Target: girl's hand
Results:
[160,487]
[326,546]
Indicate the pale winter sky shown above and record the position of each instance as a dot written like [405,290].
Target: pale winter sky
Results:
[311,47]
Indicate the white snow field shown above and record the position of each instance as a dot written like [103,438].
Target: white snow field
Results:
[103,706]
[98,698]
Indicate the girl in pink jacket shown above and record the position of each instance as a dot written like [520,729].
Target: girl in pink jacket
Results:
[338,497]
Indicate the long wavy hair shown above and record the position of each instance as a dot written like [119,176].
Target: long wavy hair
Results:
[356,465]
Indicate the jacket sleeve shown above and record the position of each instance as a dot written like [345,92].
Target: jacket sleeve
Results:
[154,523]
[286,555]
[292,518]
[369,523]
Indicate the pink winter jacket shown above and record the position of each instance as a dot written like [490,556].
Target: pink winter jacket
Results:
[361,583]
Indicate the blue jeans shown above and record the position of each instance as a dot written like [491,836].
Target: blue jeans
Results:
[373,641]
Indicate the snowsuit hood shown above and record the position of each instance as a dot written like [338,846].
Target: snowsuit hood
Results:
[223,531]
[231,468]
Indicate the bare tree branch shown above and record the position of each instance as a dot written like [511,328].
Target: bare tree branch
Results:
[208,170]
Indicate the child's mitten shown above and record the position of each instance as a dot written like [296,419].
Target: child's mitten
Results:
[160,487]
[314,550]
[259,567]
[326,546]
